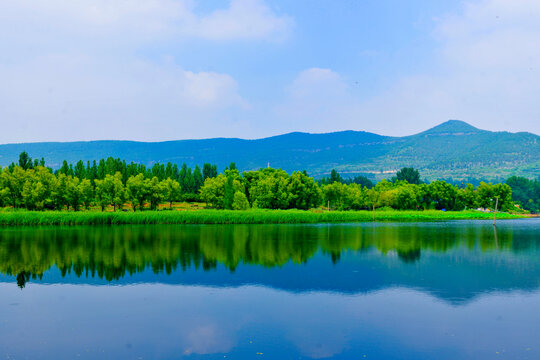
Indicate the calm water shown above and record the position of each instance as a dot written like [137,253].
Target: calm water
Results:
[386,291]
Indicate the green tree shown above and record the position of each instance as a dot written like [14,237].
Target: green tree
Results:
[240,201]
[197,179]
[171,190]
[406,198]
[333,195]
[363,181]
[442,195]
[270,190]
[373,198]
[101,169]
[334,177]
[34,192]
[188,186]
[25,161]
[229,192]
[65,169]
[209,171]
[345,196]
[488,193]
[12,183]
[409,174]
[43,185]
[304,192]
[468,197]
[59,192]
[356,197]
[137,191]
[80,170]
[110,191]
[74,194]
[525,192]
[156,192]
[213,191]
[388,198]
[87,192]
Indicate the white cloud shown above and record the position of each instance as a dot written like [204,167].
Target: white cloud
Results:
[209,339]
[492,35]
[82,97]
[318,100]
[210,89]
[244,19]
[317,82]
[486,72]
[136,21]
[86,69]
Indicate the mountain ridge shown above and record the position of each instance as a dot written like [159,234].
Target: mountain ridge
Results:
[451,149]
[444,125]
[454,127]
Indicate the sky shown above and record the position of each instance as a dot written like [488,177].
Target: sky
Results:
[154,70]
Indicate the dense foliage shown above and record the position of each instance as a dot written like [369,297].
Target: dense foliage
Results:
[525,192]
[114,183]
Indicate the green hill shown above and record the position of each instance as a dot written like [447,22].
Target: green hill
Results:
[452,149]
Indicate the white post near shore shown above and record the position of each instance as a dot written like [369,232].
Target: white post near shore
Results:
[495,214]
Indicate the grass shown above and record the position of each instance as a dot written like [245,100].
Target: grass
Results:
[36,218]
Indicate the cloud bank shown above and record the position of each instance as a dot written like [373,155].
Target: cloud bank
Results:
[485,70]
[79,70]
[83,70]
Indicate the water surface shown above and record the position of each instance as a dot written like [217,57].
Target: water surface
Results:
[442,290]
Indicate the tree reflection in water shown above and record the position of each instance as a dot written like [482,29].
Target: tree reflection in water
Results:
[113,252]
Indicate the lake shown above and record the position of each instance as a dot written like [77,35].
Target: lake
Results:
[439,290]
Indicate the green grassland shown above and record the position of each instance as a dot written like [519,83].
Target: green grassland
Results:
[37,218]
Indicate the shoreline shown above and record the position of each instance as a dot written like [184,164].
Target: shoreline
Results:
[37,218]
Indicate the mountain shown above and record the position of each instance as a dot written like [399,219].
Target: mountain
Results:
[452,149]
[452,127]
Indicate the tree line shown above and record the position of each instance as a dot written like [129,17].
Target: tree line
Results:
[32,185]
[113,182]
[525,192]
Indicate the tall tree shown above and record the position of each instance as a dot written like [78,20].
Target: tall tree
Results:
[138,191]
[171,190]
[74,195]
[80,170]
[229,192]
[111,191]
[188,184]
[25,161]
[156,192]
[209,171]
[334,177]
[197,179]
[87,192]
[409,174]
[305,193]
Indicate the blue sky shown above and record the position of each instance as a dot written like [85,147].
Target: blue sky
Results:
[175,69]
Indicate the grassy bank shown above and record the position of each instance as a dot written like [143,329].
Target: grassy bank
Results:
[34,218]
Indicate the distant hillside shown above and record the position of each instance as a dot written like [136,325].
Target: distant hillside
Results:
[451,149]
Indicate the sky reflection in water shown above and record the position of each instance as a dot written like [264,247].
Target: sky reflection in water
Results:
[434,290]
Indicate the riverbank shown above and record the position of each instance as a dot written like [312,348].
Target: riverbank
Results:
[36,218]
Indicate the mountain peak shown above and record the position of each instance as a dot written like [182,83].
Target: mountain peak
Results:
[452,127]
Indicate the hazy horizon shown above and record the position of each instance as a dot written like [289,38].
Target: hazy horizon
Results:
[161,70]
[255,138]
